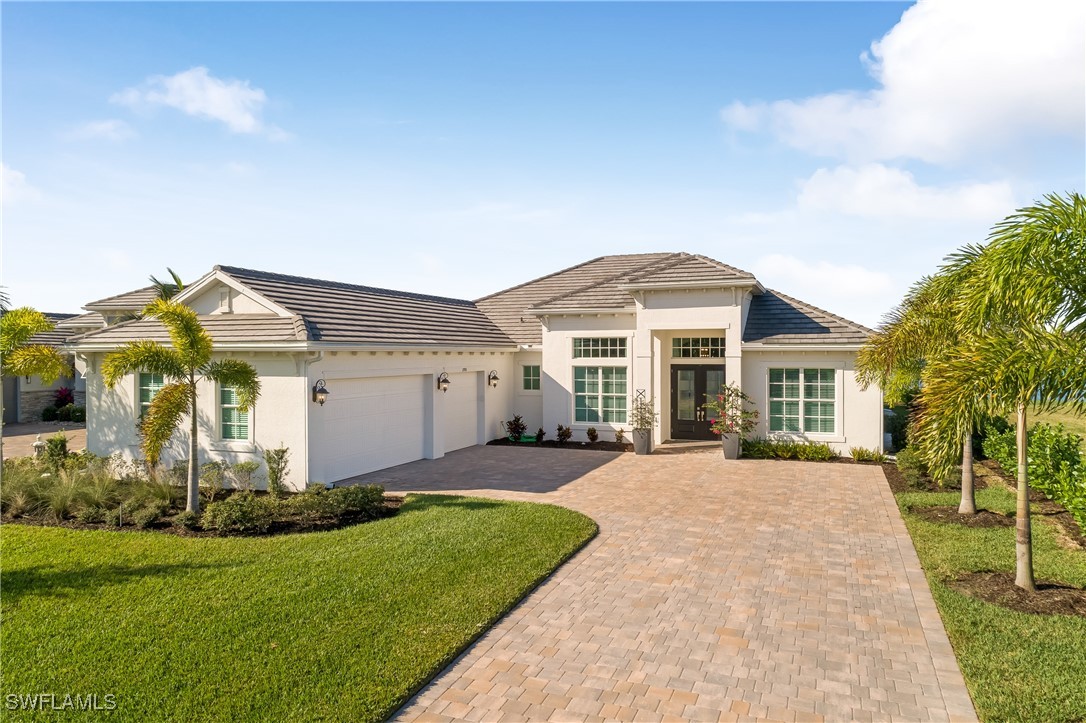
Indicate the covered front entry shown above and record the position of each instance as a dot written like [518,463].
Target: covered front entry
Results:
[689,385]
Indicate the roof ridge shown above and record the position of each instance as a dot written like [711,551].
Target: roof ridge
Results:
[568,268]
[117,296]
[609,279]
[714,262]
[325,283]
[812,307]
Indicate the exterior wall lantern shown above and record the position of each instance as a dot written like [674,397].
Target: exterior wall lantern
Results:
[320,394]
[492,378]
[443,382]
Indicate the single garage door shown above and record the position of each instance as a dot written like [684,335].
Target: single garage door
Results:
[371,424]
[461,410]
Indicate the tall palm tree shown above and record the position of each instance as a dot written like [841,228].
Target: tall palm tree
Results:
[1023,315]
[921,329]
[185,365]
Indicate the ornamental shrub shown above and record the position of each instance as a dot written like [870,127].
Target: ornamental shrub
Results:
[862,454]
[79,414]
[64,414]
[49,414]
[516,428]
[540,434]
[63,397]
[241,512]
[593,435]
[278,461]
[563,434]
[786,449]
[912,467]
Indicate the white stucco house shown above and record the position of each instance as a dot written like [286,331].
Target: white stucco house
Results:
[575,348]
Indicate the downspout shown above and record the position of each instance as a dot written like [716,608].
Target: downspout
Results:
[308,409]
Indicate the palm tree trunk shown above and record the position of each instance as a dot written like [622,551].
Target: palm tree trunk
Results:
[968,505]
[193,504]
[1023,577]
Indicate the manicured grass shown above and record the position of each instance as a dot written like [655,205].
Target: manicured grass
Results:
[340,625]
[1072,422]
[1017,666]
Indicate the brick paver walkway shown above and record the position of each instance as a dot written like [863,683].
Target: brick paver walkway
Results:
[19,438]
[715,590]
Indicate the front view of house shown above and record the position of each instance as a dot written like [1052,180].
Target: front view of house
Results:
[410,376]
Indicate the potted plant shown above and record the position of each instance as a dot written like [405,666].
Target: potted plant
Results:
[643,419]
[730,418]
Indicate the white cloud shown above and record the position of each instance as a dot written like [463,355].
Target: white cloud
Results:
[878,191]
[14,187]
[955,78]
[198,93]
[110,130]
[840,288]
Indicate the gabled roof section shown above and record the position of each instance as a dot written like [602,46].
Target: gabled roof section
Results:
[775,318]
[333,311]
[223,328]
[689,269]
[55,336]
[511,309]
[128,301]
[90,320]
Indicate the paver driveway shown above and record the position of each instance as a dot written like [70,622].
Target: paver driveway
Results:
[715,589]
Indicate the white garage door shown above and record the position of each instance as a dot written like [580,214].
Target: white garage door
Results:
[371,424]
[461,410]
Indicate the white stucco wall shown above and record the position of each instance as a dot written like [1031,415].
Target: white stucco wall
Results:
[528,404]
[277,419]
[859,412]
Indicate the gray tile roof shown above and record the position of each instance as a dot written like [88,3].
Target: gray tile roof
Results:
[510,309]
[339,312]
[90,320]
[690,268]
[58,334]
[223,328]
[128,301]
[775,318]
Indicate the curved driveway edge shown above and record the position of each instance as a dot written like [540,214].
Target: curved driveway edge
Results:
[715,590]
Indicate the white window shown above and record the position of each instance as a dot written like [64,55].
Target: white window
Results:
[599,348]
[234,422]
[531,377]
[692,347]
[150,384]
[599,394]
[802,400]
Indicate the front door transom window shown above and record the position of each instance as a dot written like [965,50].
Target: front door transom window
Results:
[693,347]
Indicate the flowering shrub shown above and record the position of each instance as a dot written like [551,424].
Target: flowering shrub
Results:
[63,397]
[727,411]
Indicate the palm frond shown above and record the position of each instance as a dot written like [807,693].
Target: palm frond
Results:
[37,360]
[142,356]
[237,374]
[189,338]
[171,403]
[166,289]
[18,326]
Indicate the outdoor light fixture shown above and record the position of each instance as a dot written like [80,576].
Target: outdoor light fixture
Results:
[443,382]
[320,394]
[492,378]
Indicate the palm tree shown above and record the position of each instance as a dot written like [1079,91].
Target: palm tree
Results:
[919,330]
[184,365]
[20,358]
[167,289]
[1023,316]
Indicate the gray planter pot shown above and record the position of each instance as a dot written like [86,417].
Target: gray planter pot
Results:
[730,442]
[642,441]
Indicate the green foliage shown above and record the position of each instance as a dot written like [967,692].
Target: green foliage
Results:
[897,425]
[146,516]
[540,434]
[366,502]
[563,434]
[64,414]
[786,449]
[620,435]
[49,414]
[212,477]
[186,520]
[79,414]
[730,411]
[56,451]
[240,512]
[91,515]
[643,415]
[20,358]
[592,434]
[862,454]
[516,428]
[278,462]
[1056,464]
[61,496]
[242,474]
[912,467]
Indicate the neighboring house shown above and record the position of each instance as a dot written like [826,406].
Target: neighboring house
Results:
[26,397]
[573,348]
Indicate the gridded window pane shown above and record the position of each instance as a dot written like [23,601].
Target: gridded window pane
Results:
[235,423]
[599,394]
[150,384]
[818,400]
[531,377]
[687,347]
[599,347]
[818,417]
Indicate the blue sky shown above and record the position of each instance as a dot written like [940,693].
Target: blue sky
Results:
[459,149]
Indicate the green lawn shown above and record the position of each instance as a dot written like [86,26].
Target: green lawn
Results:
[1017,666]
[1061,415]
[340,625]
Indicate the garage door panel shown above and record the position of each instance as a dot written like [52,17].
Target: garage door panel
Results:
[372,424]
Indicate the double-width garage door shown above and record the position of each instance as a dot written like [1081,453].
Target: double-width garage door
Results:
[374,423]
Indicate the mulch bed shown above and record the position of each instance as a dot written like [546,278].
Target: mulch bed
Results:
[164,526]
[982,518]
[599,446]
[998,588]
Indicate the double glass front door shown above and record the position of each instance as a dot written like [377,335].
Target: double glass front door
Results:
[690,383]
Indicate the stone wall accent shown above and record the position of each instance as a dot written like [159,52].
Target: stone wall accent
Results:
[32,402]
